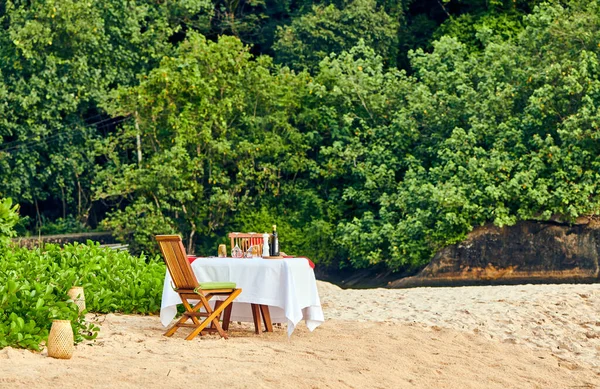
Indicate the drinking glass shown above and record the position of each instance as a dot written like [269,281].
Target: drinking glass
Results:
[222,251]
[237,252]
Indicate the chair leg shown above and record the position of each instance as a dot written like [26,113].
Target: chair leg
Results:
[212,315]
[184,318]
[175,326]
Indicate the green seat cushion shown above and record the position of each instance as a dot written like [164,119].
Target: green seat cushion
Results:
[217,285]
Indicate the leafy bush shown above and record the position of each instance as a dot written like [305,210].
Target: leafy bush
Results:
[137,225]
[68,225]
[308,39]
[8,218]
[34,286]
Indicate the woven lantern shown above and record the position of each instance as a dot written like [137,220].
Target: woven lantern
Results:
[61,340]
[76,294]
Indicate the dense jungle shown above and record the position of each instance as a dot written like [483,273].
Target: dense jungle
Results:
[371,132]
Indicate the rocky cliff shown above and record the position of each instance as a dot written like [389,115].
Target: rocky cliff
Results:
[526,252]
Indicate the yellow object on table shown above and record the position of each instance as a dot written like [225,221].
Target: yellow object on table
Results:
[222,251]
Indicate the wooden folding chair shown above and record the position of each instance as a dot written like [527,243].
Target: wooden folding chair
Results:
[188,288]
[260,313]
[244,240]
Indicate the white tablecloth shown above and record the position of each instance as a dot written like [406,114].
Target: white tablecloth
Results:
[288,286]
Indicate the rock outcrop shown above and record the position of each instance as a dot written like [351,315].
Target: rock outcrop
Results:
[527,252]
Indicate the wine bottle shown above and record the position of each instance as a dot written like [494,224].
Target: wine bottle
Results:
[275,243]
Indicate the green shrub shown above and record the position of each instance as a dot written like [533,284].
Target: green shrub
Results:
[68,225]
[34,286]
[9,216]
[137,225]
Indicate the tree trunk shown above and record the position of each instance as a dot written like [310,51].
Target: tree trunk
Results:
[138,140]
[64,203]
[191,241]
[38,216]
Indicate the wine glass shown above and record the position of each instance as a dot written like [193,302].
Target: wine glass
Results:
[237,252]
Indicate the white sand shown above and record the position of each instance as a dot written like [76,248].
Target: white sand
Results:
[562,319]
[544,336]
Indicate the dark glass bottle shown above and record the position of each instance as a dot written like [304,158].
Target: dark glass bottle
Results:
[275,243]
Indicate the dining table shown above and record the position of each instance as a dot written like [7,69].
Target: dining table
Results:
[287,286]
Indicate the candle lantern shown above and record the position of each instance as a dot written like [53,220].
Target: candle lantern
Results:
[61,340]
[76,294]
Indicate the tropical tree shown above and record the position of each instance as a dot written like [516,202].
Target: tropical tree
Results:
[58,60]
[216,137]
[503,135]
[334,28]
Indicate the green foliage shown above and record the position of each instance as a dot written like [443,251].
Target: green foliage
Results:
[9,216]
[494,119]
[299,234]
[503,135]
[469,21]
[68,225]
[253,22]
[215,136]
[331,29]
[34,286]
[58,61]
[364,148]
[474,30]
[137,224]
[360,164]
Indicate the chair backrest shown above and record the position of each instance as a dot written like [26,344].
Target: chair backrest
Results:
[246,239]
[179,267]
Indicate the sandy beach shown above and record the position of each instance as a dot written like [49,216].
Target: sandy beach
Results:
[524,336]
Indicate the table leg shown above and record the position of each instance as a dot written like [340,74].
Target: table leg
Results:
[217,305]
[256,318]
[227,317]
[264,310]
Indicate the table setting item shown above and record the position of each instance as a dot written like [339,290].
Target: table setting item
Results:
[237,252]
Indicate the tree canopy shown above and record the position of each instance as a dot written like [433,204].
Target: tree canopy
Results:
[371,132]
